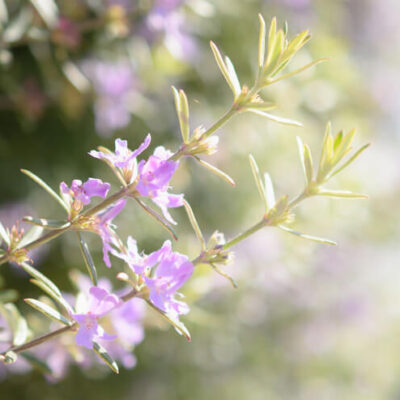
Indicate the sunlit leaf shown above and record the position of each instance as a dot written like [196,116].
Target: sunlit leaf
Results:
[305,236]
[47,311]
[216,171]
[261,42]
[233,77]
[182,110]
[342,194]
[258,179]
[102,353]
[306,160]
[34,273]
[160,219]
[87,258]
[275,118]
[47,223]
[350,160]
[48,10]
[178,325]
[58,299]
[224,274]
[17,323]
[223,68]
[195,225]
[46,187]
[269,191]
[31,235]
[4,234]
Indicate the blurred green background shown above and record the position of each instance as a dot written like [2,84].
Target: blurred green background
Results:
[308,321]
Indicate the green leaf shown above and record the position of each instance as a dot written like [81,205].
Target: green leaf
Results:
[60,300]
[275,118]
[50,224]
[31,235]
[306,160]
[274,52]
[161,220]
[48,10]
[261,42]
[182,110]
[102,353]
[216,171]
[350,160]
[263,106]
[271,32]
[40,365]
[341,194]
[225,275]
[48,311]
[34,273]
[257,177]
[195,225]
[4,234]
[233,76]
[223,68]
[46,187]
[269,191]
[18,26]
[293,73]
[17,322]
[88,259]
[178,325]
[305,236]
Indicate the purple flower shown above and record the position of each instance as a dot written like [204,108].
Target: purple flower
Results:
[154,177]
[113,84]
[125,320]
[122,157]
[172,270]
[82,193]
[102,226]
[101,303]
[132,257]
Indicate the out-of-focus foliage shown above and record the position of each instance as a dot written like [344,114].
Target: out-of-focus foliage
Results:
[308,321]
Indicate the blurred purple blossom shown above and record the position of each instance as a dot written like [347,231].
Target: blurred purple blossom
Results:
[101,302]
[113,83]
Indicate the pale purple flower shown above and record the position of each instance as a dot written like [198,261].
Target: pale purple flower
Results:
[172,270]
[104,228]
[132,257]
[101,303]
[124,320]
[154,177]
[122,157]
[113,83]
[84,192]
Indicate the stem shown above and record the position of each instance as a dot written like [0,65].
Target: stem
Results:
[106,202]
[55,233]
[225,118]
[302,196]
[41,339]
[246,234]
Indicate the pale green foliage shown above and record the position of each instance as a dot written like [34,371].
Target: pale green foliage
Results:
[332,161]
